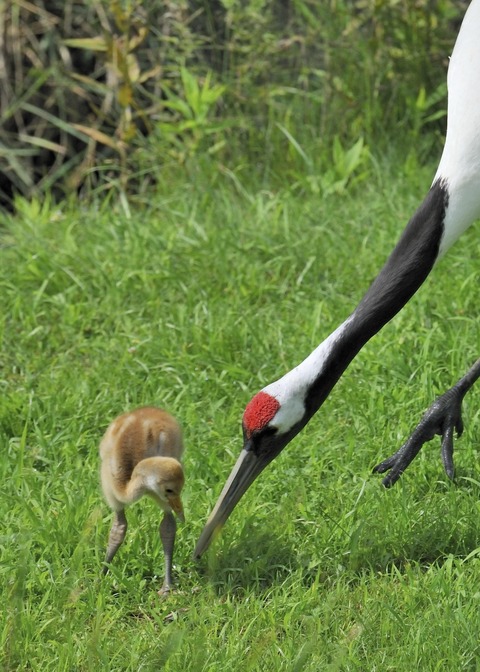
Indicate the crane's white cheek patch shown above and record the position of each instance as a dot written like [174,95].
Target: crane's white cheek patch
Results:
[289,413]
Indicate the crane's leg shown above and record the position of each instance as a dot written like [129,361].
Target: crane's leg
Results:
[168,528]
[116,537]
[443,416]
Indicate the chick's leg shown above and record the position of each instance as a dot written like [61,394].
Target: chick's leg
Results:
[116,537]
[168,528]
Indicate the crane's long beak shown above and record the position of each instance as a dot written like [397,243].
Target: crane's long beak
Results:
[247,468]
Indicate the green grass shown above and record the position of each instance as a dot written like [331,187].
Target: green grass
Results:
[200,298]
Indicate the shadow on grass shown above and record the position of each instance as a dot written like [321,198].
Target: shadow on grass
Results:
[257,561]
[426,532]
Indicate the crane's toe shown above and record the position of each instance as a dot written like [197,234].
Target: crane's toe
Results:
[442,418]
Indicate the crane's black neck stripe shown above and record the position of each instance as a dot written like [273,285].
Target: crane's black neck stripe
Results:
[403,273]
[407,267]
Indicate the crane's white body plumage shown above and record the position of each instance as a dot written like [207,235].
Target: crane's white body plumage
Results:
[459,165]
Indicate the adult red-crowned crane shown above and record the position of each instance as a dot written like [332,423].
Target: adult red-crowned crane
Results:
[278,412]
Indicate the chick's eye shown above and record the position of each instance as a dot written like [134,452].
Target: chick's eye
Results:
[169,491]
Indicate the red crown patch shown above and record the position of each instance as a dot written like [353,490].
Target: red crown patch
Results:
[259,411]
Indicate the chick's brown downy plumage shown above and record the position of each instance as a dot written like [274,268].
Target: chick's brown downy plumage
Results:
[140,453]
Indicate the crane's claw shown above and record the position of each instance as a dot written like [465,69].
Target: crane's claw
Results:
[443,416]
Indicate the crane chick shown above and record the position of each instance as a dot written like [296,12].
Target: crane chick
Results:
[141,452]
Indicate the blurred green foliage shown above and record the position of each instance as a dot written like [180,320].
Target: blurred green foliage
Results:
[103,94]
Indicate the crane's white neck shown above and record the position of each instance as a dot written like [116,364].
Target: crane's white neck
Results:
[291,390]
[450,206]
[302,390]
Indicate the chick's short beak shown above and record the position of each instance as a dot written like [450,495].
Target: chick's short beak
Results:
[177,506]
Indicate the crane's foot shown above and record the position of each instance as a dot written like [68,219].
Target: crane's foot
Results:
[442,418]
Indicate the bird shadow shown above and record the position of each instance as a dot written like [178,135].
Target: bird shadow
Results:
[260,559]
[266,561]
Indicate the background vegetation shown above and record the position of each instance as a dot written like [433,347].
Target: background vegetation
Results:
[105,94]
[197,193]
